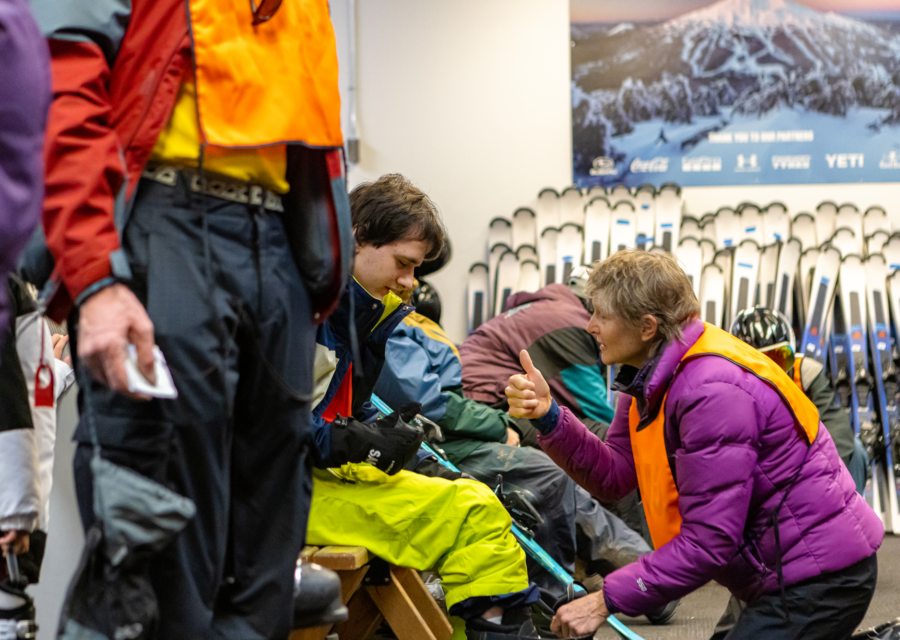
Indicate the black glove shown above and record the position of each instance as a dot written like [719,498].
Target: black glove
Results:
[385,445]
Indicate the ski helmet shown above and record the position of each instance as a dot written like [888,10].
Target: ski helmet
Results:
[426,300]
[766,330]
[578,280]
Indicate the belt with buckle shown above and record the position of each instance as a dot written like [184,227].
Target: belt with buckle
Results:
[217,186]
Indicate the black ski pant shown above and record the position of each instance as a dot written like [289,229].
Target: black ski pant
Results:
[828,607]
[574,523]
[235,327]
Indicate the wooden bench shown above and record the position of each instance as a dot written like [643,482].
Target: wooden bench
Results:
[394,594]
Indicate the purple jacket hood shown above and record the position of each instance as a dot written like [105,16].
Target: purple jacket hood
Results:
[735,453]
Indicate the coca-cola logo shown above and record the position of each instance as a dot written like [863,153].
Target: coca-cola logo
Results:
[656,165]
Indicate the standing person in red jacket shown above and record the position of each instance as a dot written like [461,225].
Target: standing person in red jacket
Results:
[195,200]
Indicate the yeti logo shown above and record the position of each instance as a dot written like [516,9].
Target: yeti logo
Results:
[374,456]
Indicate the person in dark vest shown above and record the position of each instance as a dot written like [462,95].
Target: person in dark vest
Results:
[771,333]
[740,482]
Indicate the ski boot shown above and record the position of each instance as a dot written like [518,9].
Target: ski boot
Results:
[17,623]
[543,610]
[515,625]
[664,615]
[317,597]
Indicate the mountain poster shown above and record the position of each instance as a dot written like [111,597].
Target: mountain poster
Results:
[735,92]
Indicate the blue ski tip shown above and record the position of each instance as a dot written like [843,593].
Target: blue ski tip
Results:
[745,265]
[622,222]
[749,229]
[666,225]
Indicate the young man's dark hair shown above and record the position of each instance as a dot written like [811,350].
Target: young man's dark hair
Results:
[391,209]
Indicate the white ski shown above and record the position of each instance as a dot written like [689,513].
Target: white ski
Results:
[776,223]
[728,228]
[547,255]
[844,240]
[690,255]
[788,262]
[524,228]
[875,243]
[751,223]
[745,273]
[507,279]
[493,262]
[708,227]
[805,272]
[645,208]
[709,250]
[500,232]
[547,210]
[828,264]
[825,221]
[620,193]
[690,228]
[712,294]
[887,385]
[477,298]
[526,252]
[668,217]
[529,276]
[891,251]
[804,229]
[622,226]
[876,219]
[597,215]
[768,273]
[571,207]
[569,247]
[849,216]
[725,259]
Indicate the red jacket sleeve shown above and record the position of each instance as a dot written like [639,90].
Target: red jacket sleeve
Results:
[84,167]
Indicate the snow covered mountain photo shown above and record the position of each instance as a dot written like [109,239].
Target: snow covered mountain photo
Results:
[736,92]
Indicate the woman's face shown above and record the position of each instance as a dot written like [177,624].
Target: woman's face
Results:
[621,342]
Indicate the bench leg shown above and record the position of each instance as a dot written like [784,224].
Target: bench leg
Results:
[421,598]
[399,611]
[364,618]
[350,581]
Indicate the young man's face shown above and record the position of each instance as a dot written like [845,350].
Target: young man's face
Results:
[388,267]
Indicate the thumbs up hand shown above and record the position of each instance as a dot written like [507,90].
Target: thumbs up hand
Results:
[528,394]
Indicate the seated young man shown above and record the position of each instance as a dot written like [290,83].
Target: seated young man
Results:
[361,496]
[422,364]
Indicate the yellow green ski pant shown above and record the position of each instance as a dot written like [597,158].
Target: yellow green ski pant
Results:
[458,529]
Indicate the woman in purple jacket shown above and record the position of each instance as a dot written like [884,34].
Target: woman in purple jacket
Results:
[740,482]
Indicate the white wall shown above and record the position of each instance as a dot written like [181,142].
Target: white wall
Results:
[470,100]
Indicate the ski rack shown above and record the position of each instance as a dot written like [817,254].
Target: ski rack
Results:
[530,546]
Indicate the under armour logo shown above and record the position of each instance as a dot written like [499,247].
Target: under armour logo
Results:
[746,162]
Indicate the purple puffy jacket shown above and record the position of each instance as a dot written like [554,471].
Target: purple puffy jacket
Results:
[735,450]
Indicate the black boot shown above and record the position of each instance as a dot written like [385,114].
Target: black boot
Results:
[317,596]
[664,615]
[18,623]
[516,624]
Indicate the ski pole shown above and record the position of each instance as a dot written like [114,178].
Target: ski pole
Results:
[536,552]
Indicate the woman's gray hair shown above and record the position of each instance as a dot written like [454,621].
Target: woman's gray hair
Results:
[632,283]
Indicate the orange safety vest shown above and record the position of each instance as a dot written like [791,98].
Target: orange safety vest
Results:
[659,492]
[797,379]
[273,83]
